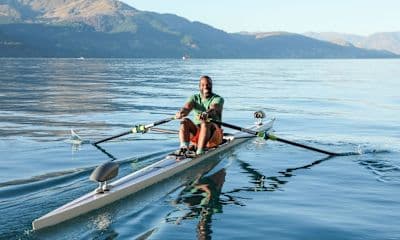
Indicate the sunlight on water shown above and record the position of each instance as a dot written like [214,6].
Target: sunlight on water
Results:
[102,221]
[285,192]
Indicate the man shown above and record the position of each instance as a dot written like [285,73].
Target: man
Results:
[201,133]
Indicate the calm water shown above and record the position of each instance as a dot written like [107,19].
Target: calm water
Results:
[258,189]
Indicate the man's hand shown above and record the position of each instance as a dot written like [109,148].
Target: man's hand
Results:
[181,114]
[203,116]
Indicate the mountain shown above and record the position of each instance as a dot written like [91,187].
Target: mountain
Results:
[388,41]
[110,28]
[102,15]
[291,45]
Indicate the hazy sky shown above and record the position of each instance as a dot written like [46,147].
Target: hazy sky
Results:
[348,16]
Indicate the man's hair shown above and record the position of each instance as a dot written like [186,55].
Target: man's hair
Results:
[206,77]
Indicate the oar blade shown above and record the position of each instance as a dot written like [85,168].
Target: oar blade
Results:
[75,139]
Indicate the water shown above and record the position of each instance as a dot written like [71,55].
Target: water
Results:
[258,189]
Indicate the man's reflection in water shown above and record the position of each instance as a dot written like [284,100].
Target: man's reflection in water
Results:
[202,197]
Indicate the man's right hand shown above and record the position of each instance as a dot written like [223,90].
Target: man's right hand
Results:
[183,112]
[180,114]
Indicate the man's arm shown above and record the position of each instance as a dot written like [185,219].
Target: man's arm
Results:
[215,110]
[183,112]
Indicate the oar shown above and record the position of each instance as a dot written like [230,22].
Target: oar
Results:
[269,136]
[105,152]
[137,129]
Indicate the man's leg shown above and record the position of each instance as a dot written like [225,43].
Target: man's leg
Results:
[206,130]
[187,129]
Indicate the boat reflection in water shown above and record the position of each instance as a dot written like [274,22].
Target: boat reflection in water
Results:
[202,198]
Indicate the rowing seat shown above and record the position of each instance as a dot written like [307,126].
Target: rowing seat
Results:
[103,173]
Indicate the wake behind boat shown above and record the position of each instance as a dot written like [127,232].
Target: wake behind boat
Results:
[169,166]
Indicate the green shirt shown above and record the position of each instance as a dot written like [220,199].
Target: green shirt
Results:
[202,105]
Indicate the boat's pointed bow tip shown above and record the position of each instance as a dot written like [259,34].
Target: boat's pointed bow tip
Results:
[34,226]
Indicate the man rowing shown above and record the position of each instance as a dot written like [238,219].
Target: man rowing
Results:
[201,133]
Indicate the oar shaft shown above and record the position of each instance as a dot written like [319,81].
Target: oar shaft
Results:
[139,128]
[112,137]
[105,152]
[235,127]
[300,145]
[160,122]
[274,138]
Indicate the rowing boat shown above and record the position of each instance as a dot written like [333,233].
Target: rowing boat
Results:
[141,179]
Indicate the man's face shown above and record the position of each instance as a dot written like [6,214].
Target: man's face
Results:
[205,87]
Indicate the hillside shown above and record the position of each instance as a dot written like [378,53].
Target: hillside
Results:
[387,41]
[109,28]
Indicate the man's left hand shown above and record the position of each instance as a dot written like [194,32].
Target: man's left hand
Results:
[204,116]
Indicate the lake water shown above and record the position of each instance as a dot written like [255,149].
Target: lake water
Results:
[258,190]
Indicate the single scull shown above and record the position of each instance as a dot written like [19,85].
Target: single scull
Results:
[136,181]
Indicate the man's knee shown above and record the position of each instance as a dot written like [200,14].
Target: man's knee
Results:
[205,125]
[206,129]
[185,123]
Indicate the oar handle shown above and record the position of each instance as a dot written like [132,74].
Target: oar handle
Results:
[160,122]
[234,127]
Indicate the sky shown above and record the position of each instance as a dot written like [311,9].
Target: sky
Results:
[362,17]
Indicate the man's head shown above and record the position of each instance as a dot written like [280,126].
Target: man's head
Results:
[205,86]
